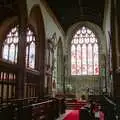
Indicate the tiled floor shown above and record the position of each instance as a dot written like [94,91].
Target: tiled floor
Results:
[63,115]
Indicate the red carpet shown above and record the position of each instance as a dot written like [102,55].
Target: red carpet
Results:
[73,115]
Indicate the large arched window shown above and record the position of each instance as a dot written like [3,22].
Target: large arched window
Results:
[84,53]
[10,47]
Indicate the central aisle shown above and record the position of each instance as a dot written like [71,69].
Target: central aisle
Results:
[73,115]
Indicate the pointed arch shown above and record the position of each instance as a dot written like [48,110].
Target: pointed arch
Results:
[5,28]
[30,48]
[81,42]
[36,20]
[96,31]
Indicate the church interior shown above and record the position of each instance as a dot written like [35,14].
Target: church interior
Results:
[58,58]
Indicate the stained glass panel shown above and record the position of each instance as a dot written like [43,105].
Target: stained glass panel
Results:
[84,60]
[30,50]
[96,68]
[5,52]
[32,55]
[12,52]
[84,53]
[10,47]
[73,59]
[90,66]
[79,58]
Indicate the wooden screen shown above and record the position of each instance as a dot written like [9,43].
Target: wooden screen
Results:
[7,82]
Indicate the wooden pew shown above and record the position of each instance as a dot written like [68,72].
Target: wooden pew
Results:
[22,110]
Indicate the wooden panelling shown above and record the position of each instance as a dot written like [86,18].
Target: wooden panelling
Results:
[7,82]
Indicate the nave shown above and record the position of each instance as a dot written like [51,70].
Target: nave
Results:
[86,111]
[57,56]
[91,111]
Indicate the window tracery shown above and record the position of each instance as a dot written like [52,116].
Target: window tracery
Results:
[84,53]
[30,49]
[10,47]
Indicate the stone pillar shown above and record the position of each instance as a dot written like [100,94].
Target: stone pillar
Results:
[22,22]
[115,54]
[41,56]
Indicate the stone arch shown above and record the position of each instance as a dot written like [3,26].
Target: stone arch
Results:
[97,31]
[7,25]
[102,51]
[95,28]
[36,20]
[5,28]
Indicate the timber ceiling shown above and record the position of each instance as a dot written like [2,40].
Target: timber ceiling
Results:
[70,11]
[67,11]
[8,8]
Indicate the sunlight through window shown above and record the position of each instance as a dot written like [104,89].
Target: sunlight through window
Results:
[84,53]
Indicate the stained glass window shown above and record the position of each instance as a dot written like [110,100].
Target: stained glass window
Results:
[10,46]
[84,53]
[30,49]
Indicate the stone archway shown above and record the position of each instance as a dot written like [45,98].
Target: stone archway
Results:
[80,84]
[36,20]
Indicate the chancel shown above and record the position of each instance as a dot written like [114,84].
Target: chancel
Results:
[59,60]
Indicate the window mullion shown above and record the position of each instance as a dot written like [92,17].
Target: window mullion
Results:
[28,54]
[30,45]
[9,51]
[87,57]
[81,59]
[92,59]
[76,58]
[48,55]
[16,47]
[14,53]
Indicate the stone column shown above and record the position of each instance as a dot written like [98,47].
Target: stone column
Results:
[115,38]
[22,22]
